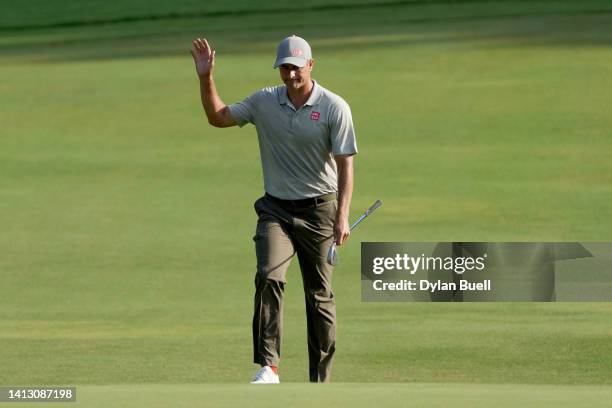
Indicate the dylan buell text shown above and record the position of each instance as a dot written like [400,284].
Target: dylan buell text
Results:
[432,286]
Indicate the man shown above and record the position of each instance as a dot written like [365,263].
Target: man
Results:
[306,143]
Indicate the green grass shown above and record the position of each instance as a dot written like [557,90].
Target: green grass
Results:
[340,395]
[40,13]
[126,252]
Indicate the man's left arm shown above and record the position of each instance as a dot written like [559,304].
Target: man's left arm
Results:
[345,194]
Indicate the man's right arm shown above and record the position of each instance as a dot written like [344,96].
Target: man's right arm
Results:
[217,112]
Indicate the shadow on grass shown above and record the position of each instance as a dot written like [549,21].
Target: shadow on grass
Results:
[344,30]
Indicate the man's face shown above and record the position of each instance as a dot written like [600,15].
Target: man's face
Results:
[296,77]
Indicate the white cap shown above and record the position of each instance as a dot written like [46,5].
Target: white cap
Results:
[293,50]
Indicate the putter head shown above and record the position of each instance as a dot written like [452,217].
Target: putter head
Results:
[332,255]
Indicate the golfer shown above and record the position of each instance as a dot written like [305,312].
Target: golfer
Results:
[306,144]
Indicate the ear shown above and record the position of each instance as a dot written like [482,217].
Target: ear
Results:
[310,64]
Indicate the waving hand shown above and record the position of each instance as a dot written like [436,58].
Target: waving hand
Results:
[203,57]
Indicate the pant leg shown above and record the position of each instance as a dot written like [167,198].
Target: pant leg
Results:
[313,235]
[274,250]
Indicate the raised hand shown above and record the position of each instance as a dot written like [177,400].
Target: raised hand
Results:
[203,57]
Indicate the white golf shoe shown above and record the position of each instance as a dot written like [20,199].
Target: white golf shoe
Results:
[265,375]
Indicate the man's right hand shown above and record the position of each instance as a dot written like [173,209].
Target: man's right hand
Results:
[203,57]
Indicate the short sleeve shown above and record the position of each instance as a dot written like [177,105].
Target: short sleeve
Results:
[342,134]
[244,112]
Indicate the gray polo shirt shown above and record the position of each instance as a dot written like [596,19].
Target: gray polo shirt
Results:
[297,147]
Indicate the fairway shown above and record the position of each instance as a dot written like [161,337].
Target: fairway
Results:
[127,258]
[339,394]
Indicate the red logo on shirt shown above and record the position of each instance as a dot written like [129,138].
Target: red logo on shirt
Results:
[315,115]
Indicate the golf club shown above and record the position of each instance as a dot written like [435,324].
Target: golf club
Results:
[332,254]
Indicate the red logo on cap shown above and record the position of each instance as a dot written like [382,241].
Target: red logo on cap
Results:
[296,52]
[315,115]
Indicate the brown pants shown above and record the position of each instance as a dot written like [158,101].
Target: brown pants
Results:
[283,229]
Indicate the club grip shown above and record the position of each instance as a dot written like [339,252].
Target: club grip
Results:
[374,206]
